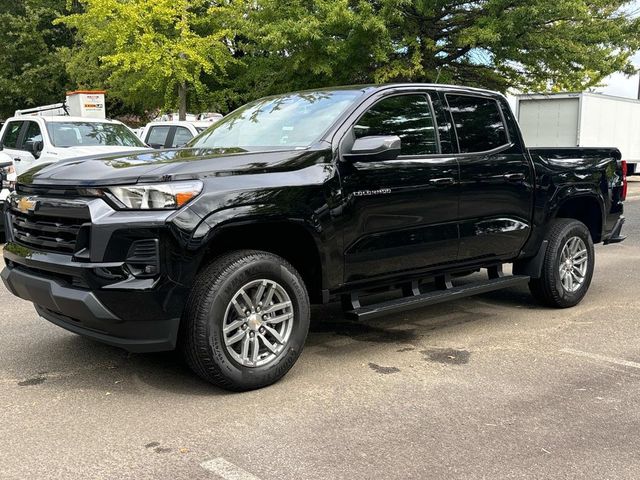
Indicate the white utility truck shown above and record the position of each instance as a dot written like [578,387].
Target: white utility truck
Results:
[73,129]
[582,120]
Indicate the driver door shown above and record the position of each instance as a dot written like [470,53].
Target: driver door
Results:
[18,142]
[401,214]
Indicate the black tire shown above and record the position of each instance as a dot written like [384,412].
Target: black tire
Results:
[202,338]
[549,289]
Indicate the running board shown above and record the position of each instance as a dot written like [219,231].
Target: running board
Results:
[438,296]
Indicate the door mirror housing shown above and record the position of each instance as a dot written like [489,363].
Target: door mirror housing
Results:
[4,173]
[35,148]
[374,149]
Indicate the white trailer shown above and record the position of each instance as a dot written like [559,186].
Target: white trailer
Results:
[582,120]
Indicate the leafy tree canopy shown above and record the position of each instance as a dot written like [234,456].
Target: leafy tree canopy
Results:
[527,44]
[147,52]
[32,72]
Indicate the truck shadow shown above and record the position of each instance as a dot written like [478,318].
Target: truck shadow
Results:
[80,363]
[411,324]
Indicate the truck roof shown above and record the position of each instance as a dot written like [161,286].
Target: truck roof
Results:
[195,123]
[63,118]
[369,88]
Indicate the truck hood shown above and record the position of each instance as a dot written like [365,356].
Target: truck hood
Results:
[75,152]
[165,165]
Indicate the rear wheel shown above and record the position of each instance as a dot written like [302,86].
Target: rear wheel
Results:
[568,265]
[246,320]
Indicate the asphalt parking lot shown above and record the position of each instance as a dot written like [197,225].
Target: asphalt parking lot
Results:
[489,387]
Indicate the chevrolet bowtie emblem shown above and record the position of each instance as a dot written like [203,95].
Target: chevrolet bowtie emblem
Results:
[27,205]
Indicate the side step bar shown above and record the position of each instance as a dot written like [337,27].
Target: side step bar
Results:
[438,296]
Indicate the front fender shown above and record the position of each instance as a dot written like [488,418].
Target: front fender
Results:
[318,228]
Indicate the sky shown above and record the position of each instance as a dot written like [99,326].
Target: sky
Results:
[618,84]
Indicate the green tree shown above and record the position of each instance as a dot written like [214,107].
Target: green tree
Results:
[148,53]
[527,44]
[32,71]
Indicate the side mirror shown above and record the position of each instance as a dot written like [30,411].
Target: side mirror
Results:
[35,148]
[4,170]
[374,149]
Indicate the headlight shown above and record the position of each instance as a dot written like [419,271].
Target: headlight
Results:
[158,196]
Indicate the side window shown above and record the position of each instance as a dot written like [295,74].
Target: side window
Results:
[407,116]
[182,136]
[478,123]
[11,134]
[157,136]
[32,135]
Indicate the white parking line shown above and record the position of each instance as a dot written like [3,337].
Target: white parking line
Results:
[601,358]
[227,470]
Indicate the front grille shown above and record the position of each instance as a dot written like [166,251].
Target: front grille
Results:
[50,223]
[48,233]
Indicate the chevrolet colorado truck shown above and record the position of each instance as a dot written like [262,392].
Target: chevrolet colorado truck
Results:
[219,248]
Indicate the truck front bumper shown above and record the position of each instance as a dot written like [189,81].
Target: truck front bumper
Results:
[120,277]
[85,313]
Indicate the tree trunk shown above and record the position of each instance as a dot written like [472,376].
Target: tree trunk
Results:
[182,96]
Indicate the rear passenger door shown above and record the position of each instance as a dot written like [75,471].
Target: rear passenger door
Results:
[496,178]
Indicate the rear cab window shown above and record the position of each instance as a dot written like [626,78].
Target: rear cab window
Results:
[181,137]
[478,123]
[157,136]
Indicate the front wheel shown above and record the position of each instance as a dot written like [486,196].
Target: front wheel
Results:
[246,320]
[568,265]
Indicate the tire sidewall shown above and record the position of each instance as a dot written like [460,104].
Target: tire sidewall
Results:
[566,298]
[254,377]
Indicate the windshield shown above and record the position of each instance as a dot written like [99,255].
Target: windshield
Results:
[81,134]
[294,120]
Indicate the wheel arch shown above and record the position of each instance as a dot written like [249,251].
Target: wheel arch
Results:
[292,239]
[586,208]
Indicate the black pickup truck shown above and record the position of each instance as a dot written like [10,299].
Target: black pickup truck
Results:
[219,248]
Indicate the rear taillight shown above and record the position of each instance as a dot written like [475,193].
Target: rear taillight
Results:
[625,185]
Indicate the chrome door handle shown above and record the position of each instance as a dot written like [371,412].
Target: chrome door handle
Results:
[514,177]
[442,181]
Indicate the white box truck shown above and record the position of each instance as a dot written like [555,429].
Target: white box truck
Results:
[582,120]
